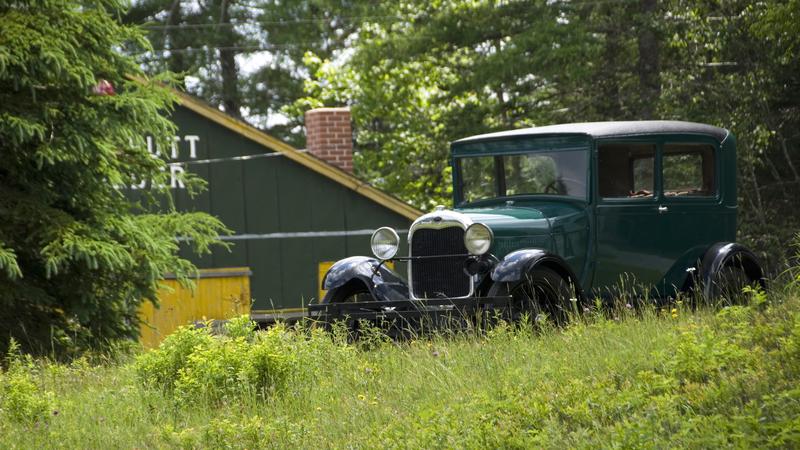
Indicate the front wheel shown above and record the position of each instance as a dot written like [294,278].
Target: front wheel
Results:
[351,292]
[541,294]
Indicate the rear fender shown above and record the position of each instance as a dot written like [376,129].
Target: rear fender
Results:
[516,264]
[383,283]
[723,253]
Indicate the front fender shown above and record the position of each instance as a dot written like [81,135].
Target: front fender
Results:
[516,264]
[722,253]
[383,283]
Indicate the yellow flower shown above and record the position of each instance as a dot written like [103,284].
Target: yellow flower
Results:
[674,315]
[674,311]
[373,403]
[362,397]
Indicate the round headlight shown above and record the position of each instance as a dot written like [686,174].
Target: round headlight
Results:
[385,243]
[478,239]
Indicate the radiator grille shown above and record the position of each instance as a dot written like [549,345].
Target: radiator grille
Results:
[439,277]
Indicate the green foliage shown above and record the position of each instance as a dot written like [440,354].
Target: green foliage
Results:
[443,70]
[206,42]
[162,367]
[646,378]
[241,327]
[75,262]
[21,399]
[192,365]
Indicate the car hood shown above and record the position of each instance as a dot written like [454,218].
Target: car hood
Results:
[521,224]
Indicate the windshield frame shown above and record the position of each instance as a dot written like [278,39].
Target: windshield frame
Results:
[499,171]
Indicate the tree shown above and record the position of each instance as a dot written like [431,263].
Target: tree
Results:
[77,256]
[448,69]
[201,39]
[209,40]
[735,64]
[444,70]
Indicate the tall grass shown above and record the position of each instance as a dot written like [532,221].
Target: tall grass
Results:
[647,377]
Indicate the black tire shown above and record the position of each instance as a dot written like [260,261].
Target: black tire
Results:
[352,291]
[728,284]
[541,293]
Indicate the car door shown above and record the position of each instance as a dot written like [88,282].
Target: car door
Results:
[628,227]
[691,204]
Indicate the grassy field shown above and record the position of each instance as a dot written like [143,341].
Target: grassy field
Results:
[646,378]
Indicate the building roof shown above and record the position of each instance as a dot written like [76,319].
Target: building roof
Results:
[317,165]
[611,129]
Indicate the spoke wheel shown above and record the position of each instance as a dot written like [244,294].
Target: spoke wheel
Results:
[541,295]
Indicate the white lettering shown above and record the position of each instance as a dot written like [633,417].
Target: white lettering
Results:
[176,171]
[175,140]
[192,140]
[150,148]
[176,174]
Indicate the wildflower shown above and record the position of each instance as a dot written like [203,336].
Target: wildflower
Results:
[674,311]
[435,353]
[585,309]
[679,302]
[319,408]
[628,305]
[362,397]
[373,403]
[674,315]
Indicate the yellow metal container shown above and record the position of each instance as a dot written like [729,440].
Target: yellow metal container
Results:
[219,294]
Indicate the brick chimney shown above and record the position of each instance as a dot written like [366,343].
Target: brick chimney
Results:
[329,136]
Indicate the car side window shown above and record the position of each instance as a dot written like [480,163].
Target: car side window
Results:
[625,170]
[688,170]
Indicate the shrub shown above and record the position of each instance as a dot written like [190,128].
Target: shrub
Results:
[21,400]
[162,366]
[192,365]
[240,326]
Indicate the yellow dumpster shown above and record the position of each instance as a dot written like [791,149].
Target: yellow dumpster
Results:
[219,294]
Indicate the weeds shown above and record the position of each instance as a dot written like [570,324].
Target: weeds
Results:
[646,376]
[21,399]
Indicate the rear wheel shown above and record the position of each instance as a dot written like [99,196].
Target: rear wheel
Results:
[728,284]
[540,294]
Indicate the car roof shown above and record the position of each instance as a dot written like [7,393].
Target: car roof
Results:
[611,129]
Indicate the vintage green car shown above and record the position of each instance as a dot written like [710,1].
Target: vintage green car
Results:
[549,217]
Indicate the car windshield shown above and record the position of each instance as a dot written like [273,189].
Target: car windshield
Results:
[560,172]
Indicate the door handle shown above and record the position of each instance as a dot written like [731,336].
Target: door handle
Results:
[662,209]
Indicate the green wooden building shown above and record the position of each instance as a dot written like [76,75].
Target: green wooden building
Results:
[292,213]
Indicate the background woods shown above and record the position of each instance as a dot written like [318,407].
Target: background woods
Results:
[419,74]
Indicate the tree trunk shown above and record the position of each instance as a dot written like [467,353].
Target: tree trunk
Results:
[176,62]
[648,63]
[227,61]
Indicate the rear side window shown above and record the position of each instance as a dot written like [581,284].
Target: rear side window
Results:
[688,170]
[626,170]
